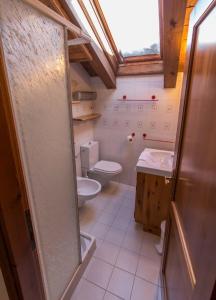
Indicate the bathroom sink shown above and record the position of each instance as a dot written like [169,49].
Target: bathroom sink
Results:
[156,162]
[87,189]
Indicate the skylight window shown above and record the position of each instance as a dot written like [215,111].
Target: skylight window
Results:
[126,30]
[134,25]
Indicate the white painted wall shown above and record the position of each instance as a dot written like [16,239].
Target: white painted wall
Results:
[35,57]
[119,119]
[3,290]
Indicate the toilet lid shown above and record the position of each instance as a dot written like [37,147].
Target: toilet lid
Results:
[107,166]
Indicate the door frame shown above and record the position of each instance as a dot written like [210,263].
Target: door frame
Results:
[18,260]
[199,13]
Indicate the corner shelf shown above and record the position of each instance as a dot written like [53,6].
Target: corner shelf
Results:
[87,117]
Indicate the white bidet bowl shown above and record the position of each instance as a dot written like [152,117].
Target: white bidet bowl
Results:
[87,189]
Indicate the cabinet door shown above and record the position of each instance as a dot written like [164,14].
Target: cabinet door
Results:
[152,201]
[140,191]
[156,202]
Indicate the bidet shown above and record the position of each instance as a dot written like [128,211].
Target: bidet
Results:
[87,189]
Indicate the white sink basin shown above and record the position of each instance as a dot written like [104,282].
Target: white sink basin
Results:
[156,162]
[87,189]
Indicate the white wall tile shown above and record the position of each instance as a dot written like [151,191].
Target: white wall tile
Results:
[158,120]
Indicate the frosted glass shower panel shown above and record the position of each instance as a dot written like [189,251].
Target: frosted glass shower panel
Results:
[35,57]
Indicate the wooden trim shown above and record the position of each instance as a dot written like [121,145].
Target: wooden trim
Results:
[184,248]
[144,68]
[56,17]
[10,279]
[142,58]
[77,41]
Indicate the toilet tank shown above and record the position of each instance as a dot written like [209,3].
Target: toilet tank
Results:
[89,154]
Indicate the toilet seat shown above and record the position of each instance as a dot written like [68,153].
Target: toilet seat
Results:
[107,167]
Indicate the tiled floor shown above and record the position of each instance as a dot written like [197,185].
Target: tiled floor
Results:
[125,264]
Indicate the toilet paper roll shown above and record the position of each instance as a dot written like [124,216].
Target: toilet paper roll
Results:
[130,138]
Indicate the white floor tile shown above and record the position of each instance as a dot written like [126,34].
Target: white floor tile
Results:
[109,296]
[127,261]
[98,243]
[148,269]
[115,236]
[113,207]
[106,218]
[87,290]
[86,227]
[132,242]
[131,194]
[121,223]
[129,203]
[135,229]
[107,252]
[98,203]
[99,273]
[99,230]
[148,247]
[121,283]
[123,249]
[126,213]
[143,290]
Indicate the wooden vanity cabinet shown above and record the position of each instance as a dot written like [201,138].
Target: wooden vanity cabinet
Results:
[152,201]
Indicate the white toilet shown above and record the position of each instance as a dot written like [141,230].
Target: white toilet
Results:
[102,171]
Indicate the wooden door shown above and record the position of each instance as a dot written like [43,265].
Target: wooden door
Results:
[190,265]
[18,256]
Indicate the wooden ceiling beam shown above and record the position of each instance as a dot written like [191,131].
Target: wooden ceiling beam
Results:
[140,68]
[173,22]
[76,55]
[77,42]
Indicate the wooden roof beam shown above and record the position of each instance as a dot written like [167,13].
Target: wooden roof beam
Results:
[141,68]
[77,41]
[173,23]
